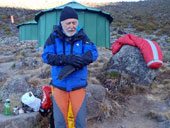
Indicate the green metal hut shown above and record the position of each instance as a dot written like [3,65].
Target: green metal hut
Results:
[28,31]
[95,23]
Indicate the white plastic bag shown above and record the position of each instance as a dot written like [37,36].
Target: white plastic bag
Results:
[30,100]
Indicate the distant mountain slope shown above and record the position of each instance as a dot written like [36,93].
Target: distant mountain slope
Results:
[148,16]
[20,16]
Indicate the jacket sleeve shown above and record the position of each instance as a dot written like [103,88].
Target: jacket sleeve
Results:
[89,47]
[49,55]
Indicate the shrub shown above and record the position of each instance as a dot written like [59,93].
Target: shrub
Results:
[113,74]
[23,54]
[155,39]
[7,30]
[168,40]
[149,32]
[152,26]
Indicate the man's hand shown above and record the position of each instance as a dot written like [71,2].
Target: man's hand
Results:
[75,60]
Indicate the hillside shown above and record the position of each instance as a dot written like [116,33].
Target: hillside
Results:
[151,17]
[20,16]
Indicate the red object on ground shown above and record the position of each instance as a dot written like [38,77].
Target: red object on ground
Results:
[46,102]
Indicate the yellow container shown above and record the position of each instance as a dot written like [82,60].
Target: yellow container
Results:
[70,117]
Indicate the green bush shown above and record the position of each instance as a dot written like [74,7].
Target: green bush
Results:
[113,74]
[6,29]
[168,40]
[152,26]
[149,32]
[23,53]
[155,39]
[113,34]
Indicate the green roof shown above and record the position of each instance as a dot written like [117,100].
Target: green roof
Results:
[76,6]
[27,23]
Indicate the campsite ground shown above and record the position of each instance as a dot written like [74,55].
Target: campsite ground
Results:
[142,111]
[147,107]
[140,107]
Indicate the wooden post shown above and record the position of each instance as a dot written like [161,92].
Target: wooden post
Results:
[12,19]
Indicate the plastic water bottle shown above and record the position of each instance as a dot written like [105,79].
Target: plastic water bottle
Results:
[7,107]
[15,110]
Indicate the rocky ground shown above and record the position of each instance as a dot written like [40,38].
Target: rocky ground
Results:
[137,107]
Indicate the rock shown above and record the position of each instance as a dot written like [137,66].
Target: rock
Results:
[29,62]
[121,32]
[4,59]
[24,120]
[129,60]
[168,102]
[166,53]
[158,116]
[165,124]
[96,91]
[95,95]
[3,76]
[161,118]
[10,41]
[18,85]
[45,73]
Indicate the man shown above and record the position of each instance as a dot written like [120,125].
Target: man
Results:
[66,46]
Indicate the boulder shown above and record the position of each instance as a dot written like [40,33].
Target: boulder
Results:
[28,63]
[95,95]
[130,61]
[16,86]
[19,121]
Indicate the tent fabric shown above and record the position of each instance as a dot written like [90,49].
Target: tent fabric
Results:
[150,49]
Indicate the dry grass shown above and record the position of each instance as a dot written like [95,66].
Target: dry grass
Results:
[34,81]
[156,115]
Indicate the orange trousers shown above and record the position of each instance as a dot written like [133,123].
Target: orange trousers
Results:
[61,101]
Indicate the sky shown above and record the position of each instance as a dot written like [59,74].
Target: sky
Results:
[105,0]
[42,4]
[69,0]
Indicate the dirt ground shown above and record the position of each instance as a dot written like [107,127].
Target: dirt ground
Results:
[141,107]
[139,111]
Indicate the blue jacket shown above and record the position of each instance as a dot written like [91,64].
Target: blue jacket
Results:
[58,44]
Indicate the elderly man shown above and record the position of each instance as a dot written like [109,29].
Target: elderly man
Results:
[66,46]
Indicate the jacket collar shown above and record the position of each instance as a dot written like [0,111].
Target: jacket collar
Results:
[78,36]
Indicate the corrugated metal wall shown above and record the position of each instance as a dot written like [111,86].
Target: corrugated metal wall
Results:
[45,26]
[28,32]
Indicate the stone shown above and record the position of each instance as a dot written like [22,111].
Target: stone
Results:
[129,60]
[18,85]
[23,120]
[165,124]
[95,95]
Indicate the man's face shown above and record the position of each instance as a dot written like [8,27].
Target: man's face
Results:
[69,26]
